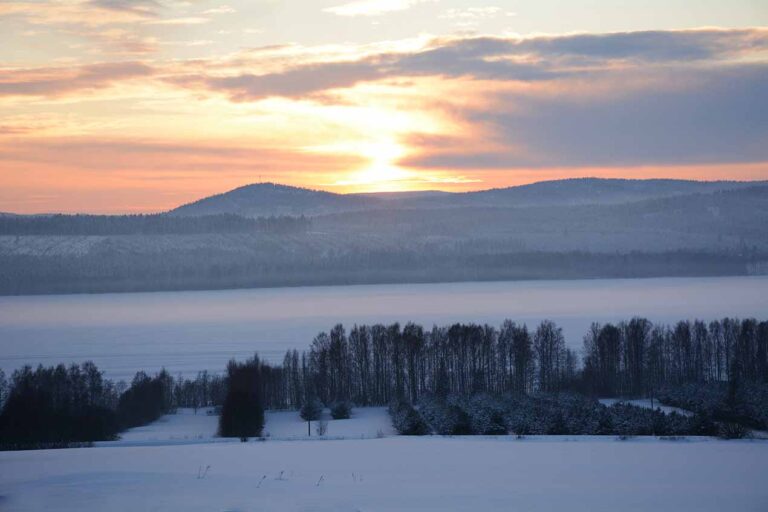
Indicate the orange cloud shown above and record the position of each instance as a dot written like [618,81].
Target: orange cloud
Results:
[452,113]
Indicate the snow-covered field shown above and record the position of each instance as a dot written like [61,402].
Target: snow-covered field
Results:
[184,425]
[191,331]
[365,423]
[393,474]
[177,464]
[188,426]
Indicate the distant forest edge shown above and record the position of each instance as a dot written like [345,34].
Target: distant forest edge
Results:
[464,378]
[206,270]
[269,235]
[151,224]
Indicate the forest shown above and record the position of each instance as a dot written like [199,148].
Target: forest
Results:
[259,260]
[566,230]
[457,379]
[146,224]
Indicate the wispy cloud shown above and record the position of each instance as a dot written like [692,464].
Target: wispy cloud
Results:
[189,20]
[473,16]
[450,106]
[223,9]
[58,81]
[79,13]
[138,7]
[374,7]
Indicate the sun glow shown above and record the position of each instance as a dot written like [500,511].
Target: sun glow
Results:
[382,174]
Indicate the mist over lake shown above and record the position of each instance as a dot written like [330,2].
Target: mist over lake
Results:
[186,332]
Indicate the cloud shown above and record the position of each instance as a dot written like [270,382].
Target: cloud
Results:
[223,9]
[673,117]
[473,16]
[292,83]
[80,13]
[652,46]
[54,82]
[581,100]
[190,20]
[493,58]
[374,7]
[124,42]
[147,8]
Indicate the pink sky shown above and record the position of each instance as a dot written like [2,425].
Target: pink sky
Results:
[138,106]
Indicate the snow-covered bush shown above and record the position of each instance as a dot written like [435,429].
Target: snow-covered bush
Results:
[341,410]
[407,420]
[311,410]
[748,406]
[445,417]
[486,415]
[732,431]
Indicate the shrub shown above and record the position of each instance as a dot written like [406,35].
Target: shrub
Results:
[486,416]
[444,418]
[732,431]
[312,410]
[341,410]
[407,420]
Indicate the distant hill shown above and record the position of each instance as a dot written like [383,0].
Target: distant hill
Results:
[268,199]
[719,221]
[533,232]
[579,191]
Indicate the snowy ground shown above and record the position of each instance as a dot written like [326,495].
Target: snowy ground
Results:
[191,331]
[177,464]
[186,426]
[646,403]
[365,423]
[393,474]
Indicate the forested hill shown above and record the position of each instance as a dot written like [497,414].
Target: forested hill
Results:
[721,232]
[266,199]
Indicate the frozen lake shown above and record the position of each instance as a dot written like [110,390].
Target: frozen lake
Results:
[191,331]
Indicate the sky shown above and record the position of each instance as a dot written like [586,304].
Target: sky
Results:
[128,106]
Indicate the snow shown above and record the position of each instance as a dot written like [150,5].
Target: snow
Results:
[176,463]
[185,424]
[392,474]
[366,422]
[191,331]
[646,403]
[187,427]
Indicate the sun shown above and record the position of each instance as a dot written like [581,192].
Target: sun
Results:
[382,174]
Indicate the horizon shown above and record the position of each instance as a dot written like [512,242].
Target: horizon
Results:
[373,193]
[137,106]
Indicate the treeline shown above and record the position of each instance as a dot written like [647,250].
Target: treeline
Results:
[316,259]
[373,365]
[637,358]
[65,405]
[150,224]
[719,370]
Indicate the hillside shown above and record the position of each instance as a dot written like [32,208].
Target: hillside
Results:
[268,199]
[367,239]
[580,191]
